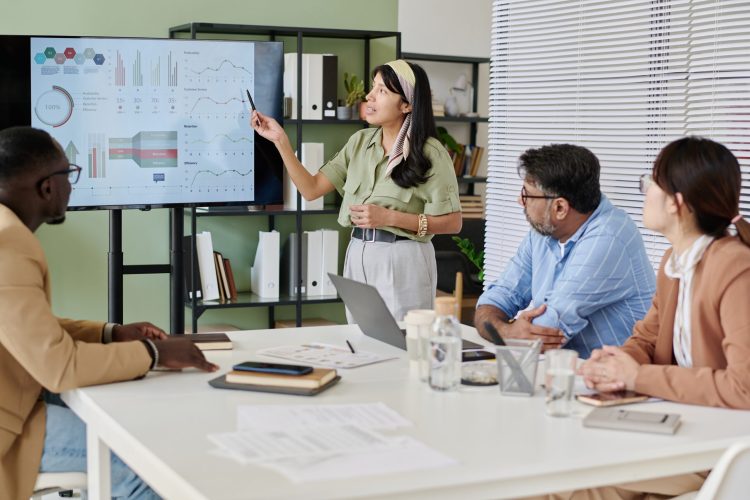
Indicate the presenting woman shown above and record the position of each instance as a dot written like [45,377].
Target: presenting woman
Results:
[693,346]
[398,187]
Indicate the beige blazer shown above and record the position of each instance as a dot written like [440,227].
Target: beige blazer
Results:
[720,375]
[39,350]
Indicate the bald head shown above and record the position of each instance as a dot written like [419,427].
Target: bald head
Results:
[26,151]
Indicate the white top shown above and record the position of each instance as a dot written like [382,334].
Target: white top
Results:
[682,267]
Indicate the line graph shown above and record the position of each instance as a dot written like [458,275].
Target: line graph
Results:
[219,136]
[218,174]
[217,102]
[219,68]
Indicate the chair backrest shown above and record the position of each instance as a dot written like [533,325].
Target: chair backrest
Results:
[458,293]
[51,482]
[730,478]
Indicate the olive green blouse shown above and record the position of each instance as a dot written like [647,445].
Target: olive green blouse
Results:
[358,173]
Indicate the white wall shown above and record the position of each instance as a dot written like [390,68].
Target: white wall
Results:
[446,27]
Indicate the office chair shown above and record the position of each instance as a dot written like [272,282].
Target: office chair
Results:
[729,479]
[51,482]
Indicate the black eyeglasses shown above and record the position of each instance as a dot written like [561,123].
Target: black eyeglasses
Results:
[525,196]
[73,172]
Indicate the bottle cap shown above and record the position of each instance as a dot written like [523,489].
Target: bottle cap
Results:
[445,306]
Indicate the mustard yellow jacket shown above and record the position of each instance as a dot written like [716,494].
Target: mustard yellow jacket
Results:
[38,350]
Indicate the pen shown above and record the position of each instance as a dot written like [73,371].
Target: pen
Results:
[350,347]
[496,338]
[252,105]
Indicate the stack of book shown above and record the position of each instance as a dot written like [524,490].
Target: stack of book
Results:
[310,384]
[472,206]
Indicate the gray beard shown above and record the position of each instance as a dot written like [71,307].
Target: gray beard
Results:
[545,228]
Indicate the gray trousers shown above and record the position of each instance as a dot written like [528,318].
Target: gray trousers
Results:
[404,272]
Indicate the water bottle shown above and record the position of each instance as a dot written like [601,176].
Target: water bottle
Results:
[445,346]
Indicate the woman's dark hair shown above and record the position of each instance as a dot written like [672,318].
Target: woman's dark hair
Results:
[25,150]
[564,170]
[708,177]
[413,170]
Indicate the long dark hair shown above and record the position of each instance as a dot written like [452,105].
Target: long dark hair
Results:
[413,170]
[708,176]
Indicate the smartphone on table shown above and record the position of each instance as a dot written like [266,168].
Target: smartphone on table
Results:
[611,398]
[476,355]
[279,368]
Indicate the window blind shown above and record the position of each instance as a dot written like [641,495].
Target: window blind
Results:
[620,77]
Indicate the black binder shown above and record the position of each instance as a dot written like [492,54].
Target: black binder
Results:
[330,77]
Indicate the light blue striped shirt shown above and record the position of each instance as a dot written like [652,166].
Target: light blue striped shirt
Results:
[595,290]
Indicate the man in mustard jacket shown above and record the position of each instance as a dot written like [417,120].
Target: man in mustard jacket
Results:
[39,351]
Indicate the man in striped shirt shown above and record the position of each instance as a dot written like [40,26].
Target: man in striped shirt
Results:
[582,271]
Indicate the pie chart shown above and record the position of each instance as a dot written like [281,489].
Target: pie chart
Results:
[54,107]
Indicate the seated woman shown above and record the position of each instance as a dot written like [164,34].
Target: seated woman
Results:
[693,346]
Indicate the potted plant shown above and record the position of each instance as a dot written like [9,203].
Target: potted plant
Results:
[355,93]
[477,258]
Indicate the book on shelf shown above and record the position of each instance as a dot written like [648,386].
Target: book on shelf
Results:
[230,279]
[317,378]
[459,159]
[475,161]
[210,341]
[221,276]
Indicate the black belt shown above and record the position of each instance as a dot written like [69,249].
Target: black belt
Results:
[376,235]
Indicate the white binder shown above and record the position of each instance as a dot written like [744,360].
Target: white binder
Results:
[290,80]
[206,266]
[312,157]
[312,84]
[314,283]
[264,274]
[330,260]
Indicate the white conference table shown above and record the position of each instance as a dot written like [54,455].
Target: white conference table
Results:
[504,446]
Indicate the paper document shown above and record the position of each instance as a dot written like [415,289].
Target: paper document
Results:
[260,446]
[406,454]
[324,355]
[321,442]
[281,417]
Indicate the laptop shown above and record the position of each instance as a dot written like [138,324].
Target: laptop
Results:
[368,309]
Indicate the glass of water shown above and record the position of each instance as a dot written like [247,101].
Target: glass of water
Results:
[559,376]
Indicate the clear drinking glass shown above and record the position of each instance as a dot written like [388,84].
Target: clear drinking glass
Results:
[559,376]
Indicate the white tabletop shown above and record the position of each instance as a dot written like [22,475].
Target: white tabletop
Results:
[505,446]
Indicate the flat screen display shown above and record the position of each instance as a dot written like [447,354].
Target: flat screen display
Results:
[152,122]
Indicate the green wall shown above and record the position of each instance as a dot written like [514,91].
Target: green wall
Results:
[77,250]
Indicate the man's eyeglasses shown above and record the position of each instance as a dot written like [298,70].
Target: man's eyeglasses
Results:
[525,196]
[73,172]
[644,182]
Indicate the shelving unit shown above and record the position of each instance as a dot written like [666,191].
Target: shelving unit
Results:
[192,30]
[472,227]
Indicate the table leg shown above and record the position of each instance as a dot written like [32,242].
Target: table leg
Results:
[98,464]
